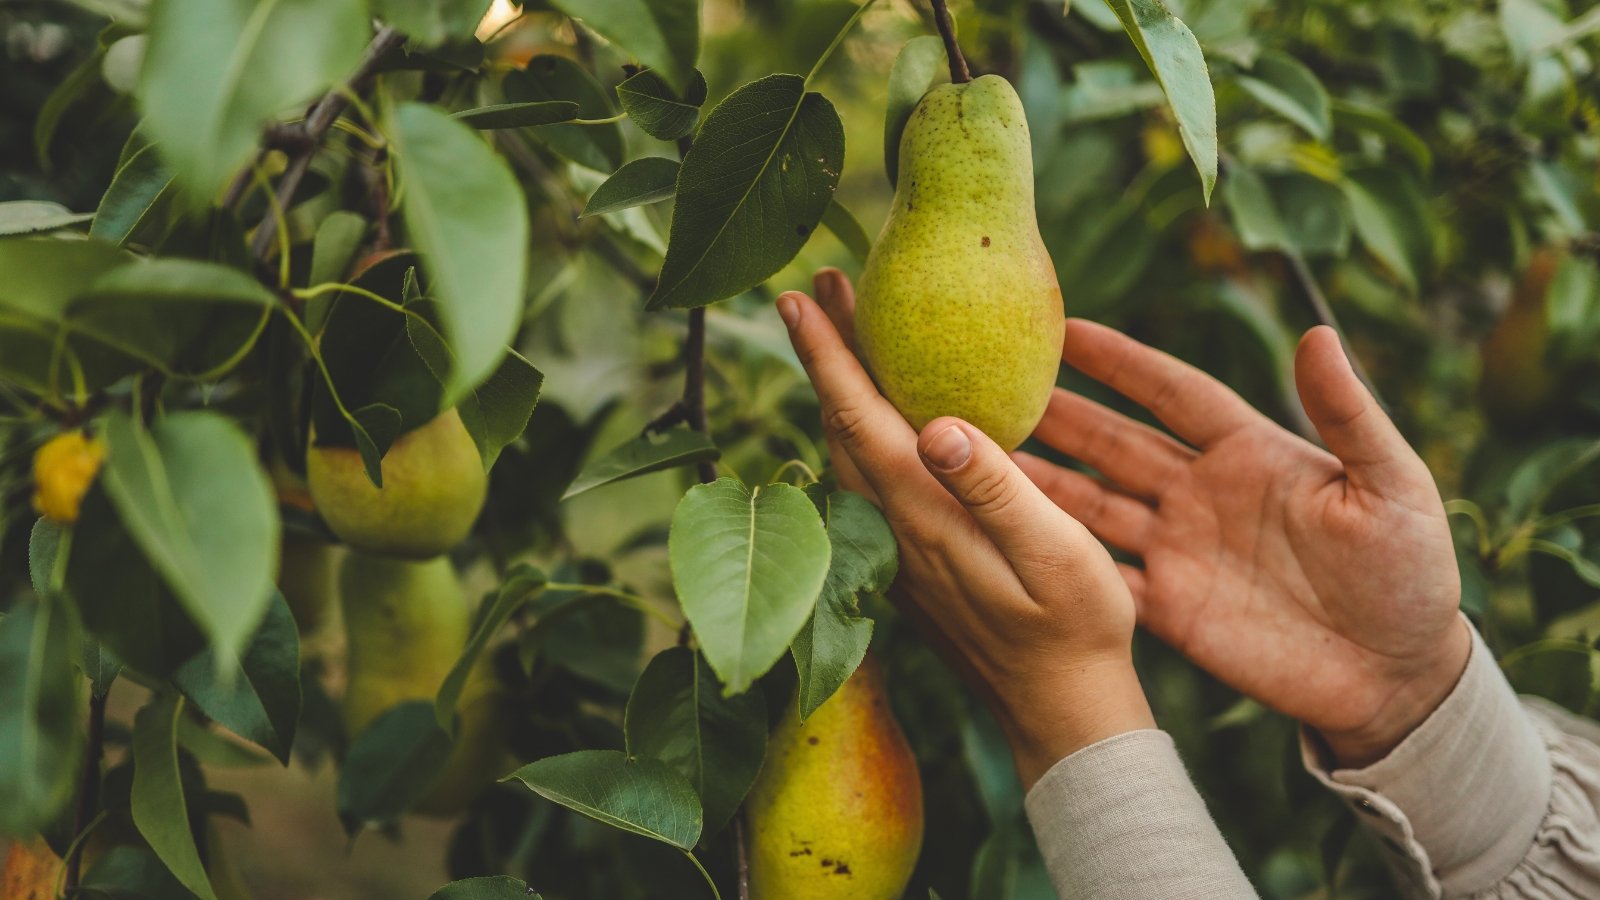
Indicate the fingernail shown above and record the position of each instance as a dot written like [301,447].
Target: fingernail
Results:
[788,309]
[949,449]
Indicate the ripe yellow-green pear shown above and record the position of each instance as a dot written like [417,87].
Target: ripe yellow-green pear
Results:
[837,809]
[959,312]
[433,487]
[406,622]
[308,578]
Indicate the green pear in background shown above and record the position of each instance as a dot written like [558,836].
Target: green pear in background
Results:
[836,813]
[959,311]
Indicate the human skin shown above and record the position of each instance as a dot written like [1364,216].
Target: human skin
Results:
[1026,603]
[1321,582]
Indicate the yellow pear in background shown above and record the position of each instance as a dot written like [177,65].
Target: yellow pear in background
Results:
[433,487]
[959,311]
[406,623]
[837,809]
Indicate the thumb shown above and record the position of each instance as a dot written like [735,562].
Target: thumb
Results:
[1355,428]
[1029,530]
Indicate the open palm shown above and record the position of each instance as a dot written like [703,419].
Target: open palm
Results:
[1321,583]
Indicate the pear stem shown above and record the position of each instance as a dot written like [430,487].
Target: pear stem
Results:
[959,73]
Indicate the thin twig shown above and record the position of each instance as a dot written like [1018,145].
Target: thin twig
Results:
[743,858]
[315,127]
[1324,315]
[89,787]
[694,384]
[959,73]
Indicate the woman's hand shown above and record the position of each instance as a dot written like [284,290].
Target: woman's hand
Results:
[1323,584]
[1023,598]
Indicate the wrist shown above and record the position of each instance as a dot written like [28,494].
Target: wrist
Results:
[1411,701]
[1079,705]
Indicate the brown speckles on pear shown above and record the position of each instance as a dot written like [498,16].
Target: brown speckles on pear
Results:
[986,240]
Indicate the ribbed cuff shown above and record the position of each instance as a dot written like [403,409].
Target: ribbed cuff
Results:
[1457,803]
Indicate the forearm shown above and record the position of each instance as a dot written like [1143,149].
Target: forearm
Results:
[1484,798]
[1121,820]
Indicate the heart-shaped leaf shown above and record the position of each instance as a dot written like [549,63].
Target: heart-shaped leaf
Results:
[260,700]
[657,109]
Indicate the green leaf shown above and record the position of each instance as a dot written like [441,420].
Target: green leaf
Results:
[466,214]
[133,14]
[849,232]
[597,147]
[195,500]
[1255,216]
[69,91]
[37,217]
[676,714]
[1392,131]
[518,115]
[497,411]
[748,566]
[391,765]
[159,810]
[651,452]
[662,34]
[762,172]
[1391,218]
[140,183]
[920,65]
[258,59]
[260,699]
[41,740]
[648,180]
[44,275]
[1170,50]
[994,869]
[188,280]
[521,584]
[1284,85]
[641,796]
[863,561]
[337,239]
[101,666]
[44,554]
[486,887]
[657,109]
[432,22]
[1585,568]
[1313,214]
[127,872]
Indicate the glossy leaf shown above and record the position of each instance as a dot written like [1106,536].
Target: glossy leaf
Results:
[547,78]
[467,216]
[678,715]
[662,34]
[486,887]
[190,492]
[748,565]
[657,109]
[142,180]
[920,65]
[36,217]
[391,765]
[1284,85]
[260,700]
[159,808]
[752,190]
[431,22]
[642,796]
[41,735]
[518,115]
[849,232]
[644,454]
[863,561]
[521,585]
[497,411]
[259,60]
[1170,50]
[648,180]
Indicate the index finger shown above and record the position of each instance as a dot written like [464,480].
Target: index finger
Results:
[867,427]
[1197,407]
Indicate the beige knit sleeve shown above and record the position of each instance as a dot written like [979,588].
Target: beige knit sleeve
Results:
[1491,797]
[1120,820]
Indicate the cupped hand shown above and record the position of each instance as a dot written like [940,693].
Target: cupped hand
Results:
[1323,583]
[1029,606]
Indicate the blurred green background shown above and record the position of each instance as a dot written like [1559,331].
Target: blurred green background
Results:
[1427,168]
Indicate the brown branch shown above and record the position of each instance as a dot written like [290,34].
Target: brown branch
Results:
[959,73]
[743,858]
[1324,315]
[694,384]
[89,786]
[314,128]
